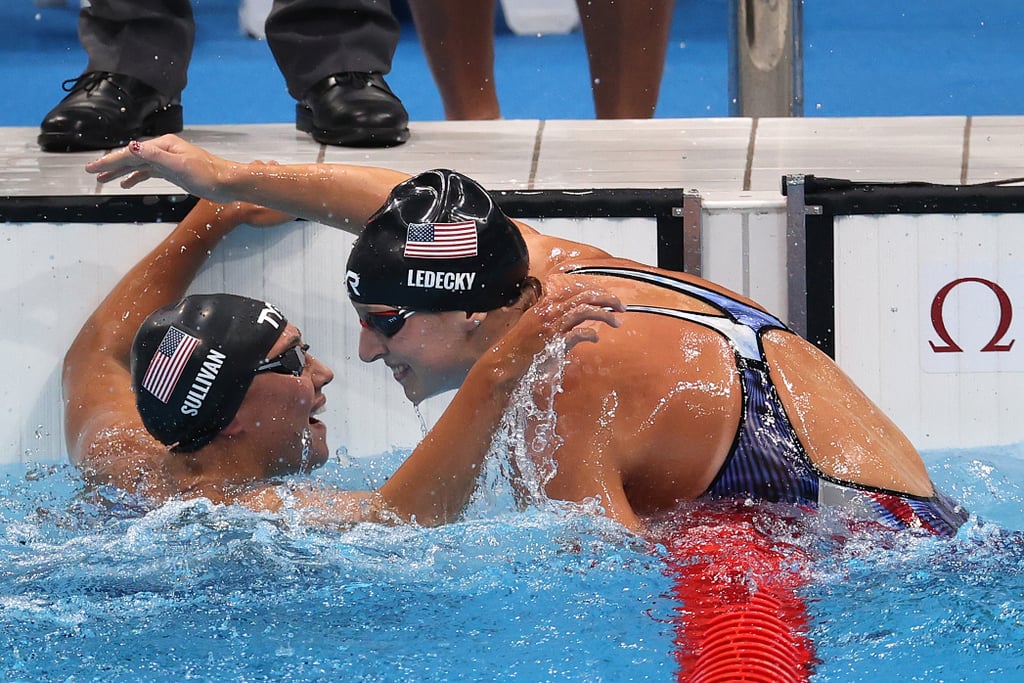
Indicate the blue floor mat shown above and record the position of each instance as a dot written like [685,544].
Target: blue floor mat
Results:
[861,58]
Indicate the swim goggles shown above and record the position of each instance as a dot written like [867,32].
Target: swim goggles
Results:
[291,362]
[388,323]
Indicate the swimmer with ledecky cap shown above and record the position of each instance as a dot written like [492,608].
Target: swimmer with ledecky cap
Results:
[766,459]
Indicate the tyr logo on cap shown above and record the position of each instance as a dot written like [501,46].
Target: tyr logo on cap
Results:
[352,280]
[271,315]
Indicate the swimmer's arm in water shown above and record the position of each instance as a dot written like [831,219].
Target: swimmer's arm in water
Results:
[100,419]
[435,482]
[333,194]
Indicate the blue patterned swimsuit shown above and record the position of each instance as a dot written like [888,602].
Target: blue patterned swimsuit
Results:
[767,460]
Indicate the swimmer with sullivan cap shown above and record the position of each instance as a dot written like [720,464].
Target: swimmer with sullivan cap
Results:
[700,393]
[216,395]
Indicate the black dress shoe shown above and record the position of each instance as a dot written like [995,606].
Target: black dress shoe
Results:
[353,110]
[105,110]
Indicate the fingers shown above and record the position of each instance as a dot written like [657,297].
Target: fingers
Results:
[111,165]
[134,178]
[568,303]
[121,163]
[108,176]
[136,161]
[578,335]
[560,287]
[570,311]
[575,317]
[586,313]
[157,156]
[561,316]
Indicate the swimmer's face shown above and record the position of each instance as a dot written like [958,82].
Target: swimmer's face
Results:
[280,411]
[430,354]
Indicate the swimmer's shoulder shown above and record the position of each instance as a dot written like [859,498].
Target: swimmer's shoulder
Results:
[554,254]
[120,453]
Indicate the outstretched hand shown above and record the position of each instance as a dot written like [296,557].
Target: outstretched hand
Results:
[189,167]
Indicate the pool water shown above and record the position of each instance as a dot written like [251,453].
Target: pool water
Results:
[924,609]
[94,589]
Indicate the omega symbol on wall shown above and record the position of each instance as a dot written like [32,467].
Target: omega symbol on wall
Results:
[947,343]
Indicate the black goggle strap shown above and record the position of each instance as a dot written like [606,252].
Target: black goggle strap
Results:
[292,361]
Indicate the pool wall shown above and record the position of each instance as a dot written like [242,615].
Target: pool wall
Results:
[67,240]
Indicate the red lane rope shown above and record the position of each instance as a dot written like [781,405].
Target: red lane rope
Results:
[740,616]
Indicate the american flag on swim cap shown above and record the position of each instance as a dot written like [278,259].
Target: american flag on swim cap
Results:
[441,240]
[168,363]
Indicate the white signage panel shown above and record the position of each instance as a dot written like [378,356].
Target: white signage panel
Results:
[929,321]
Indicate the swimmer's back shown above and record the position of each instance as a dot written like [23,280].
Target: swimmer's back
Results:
[844,434]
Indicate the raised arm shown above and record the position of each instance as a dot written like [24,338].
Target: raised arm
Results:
[333,194]
[104,434]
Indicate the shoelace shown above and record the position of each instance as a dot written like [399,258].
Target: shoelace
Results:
[88,82]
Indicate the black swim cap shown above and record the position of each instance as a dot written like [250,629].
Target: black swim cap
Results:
[439,243]
[193,361]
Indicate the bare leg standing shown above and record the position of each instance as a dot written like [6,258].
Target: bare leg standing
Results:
[458,40]
[626,43]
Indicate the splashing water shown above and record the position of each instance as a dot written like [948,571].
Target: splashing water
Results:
[192,590]
[96,586]
[520,462]
[307,444]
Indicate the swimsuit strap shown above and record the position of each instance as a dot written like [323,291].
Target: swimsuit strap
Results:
[741,313]
[742,337]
